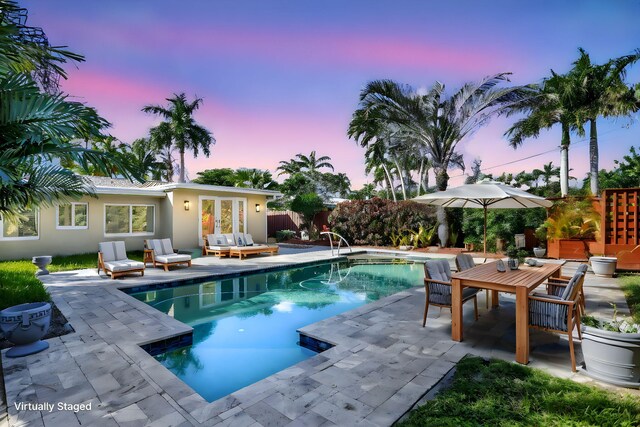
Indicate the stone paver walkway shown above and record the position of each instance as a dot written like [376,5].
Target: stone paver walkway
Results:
[382,363]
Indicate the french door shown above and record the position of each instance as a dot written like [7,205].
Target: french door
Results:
[222,215]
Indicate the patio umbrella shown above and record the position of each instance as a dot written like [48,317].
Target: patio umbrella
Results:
[484,195]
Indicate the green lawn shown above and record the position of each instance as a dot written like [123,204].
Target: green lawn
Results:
[630,284]
[499,393]
[19,285]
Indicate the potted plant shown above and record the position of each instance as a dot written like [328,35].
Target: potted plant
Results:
[516,256]
[571,228]
[541,234]
[611,350]
[603,266]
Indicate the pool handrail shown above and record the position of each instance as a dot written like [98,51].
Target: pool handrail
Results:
[340,240]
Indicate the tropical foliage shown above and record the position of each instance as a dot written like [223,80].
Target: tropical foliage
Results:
[308,206]
[411,131]
[37,128]
[243,177]
[626,174]
[573,218]
[375,221]
[179,130]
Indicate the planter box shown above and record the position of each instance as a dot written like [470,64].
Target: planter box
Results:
[576,249]
[612,357]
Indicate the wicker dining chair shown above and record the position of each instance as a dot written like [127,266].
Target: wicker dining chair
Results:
[437,285]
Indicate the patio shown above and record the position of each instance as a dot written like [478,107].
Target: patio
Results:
[383,361]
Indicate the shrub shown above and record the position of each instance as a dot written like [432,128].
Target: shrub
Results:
[282,235]
[375,221]
[18,284]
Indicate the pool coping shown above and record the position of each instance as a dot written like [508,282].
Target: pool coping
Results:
[104,363]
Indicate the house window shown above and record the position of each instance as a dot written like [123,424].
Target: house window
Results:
[27,228]
[129,219]
[72,216]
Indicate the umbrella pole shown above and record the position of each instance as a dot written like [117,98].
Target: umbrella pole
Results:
[485,231]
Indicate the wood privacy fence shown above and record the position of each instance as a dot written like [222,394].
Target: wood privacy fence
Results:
[289,220]
[620,226]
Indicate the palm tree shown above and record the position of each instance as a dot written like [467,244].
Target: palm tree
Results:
[434,120]
[143,158]
[254,178]
[601,91]
[35,130]
[180,129]
[311,163]
[36,127]
[554,102]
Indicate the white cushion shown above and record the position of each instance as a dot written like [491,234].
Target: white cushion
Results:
[248,240]
[167,259]
[167,248]
[123,265]
[107,250]
[217,240]
[218,248]
[113,251]
[155,245]
[250,248]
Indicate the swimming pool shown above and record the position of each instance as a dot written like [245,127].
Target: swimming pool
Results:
[244,328]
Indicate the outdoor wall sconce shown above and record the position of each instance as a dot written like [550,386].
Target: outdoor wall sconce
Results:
[257,207]
[186,205]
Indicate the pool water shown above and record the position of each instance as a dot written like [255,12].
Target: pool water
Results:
[244,328]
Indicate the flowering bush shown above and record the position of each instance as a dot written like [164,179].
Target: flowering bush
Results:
[375,221]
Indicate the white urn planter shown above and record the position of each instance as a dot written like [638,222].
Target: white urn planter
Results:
[603,266]
[41,262]
[24,325]
[539,252]
[613,357]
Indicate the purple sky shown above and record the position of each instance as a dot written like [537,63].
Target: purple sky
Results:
[283,77]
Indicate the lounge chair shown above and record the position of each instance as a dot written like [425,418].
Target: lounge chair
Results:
[112,258]
[216,244]
[465,262]
[437,285]
[244,246]
[162,253]
[559,314]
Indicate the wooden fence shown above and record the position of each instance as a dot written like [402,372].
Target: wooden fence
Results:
[620,226]
[289,220]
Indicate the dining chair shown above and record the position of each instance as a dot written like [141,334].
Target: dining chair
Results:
[560,314]
[437,285]
[465,262]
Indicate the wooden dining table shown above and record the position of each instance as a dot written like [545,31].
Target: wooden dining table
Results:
[519,282]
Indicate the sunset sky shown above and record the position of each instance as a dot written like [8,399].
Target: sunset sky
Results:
[283,77]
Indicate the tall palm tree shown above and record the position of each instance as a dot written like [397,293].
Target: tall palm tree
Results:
[435,120]
[312,163]
[601,91]
[143,157]
[554,102]
[179,129]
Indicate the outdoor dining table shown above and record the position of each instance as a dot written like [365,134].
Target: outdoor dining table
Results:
[519,282]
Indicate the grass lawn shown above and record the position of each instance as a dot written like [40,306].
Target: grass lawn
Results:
[630,284]
[18,284]
[499,393]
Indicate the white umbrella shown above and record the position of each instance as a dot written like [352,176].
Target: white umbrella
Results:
[484,195]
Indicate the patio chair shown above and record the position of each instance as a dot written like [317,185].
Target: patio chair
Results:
[559,314]
[216,244]
[556,286]
[465,262]
[163,254]
[112,258]
[437,286]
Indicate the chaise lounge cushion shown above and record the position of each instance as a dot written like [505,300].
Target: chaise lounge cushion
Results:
[168,259]
[123,265]
[217,240]
[230,239]
[240,239]
[160,246]
[248,240]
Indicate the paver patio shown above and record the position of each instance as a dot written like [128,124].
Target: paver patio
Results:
[382,363]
